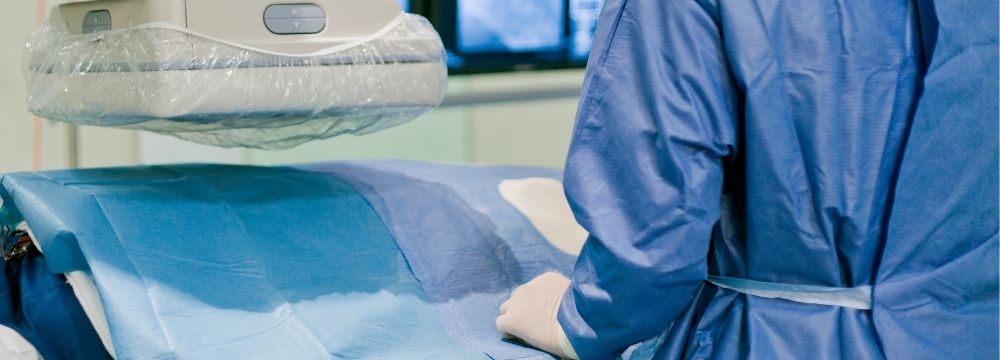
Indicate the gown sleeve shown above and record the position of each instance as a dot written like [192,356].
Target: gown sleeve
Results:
[655,126]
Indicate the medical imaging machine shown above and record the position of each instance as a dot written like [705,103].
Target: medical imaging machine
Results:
[254,73]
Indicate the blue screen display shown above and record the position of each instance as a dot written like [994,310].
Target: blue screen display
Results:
[583,16]
[503,35]
[404,4]
[514,26]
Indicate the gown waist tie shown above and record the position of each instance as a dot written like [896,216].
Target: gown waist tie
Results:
[858,297]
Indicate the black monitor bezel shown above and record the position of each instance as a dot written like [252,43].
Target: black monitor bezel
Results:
[443,14]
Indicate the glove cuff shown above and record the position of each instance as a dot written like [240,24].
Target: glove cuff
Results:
[563,342]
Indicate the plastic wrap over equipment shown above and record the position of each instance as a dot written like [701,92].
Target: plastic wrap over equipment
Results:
[167,79]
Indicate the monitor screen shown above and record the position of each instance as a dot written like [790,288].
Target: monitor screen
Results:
[583,16]
[510,26]
[504,35]
[404,4]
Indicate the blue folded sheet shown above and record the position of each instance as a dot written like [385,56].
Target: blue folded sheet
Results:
[466,245]
[345,260]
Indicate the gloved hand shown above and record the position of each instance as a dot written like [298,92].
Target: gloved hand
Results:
[530,315]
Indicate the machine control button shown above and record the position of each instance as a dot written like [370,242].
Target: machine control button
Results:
[285,11]
[296,26]
[286,19]
[97,20]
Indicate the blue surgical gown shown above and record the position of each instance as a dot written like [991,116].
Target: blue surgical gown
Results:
[42,308]
[838,144]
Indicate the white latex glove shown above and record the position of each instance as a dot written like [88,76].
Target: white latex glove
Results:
[530,315]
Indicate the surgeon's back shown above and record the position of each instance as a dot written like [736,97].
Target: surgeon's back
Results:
[830,167]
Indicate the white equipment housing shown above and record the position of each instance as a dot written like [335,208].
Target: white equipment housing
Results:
[190,66]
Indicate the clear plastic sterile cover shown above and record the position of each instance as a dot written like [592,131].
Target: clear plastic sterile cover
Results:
[166,79]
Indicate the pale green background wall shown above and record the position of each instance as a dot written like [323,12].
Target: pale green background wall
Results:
[98,146]
[527,132]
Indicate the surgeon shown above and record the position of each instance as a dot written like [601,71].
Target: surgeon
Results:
[781,180]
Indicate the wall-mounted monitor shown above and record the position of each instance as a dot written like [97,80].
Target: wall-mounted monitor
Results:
[506,35]
[583,16]
[505,26]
